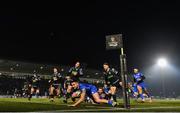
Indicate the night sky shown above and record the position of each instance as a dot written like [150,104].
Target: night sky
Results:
[69,31]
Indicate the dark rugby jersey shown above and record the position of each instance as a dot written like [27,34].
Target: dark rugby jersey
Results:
[56,79]
[67,83]
[75,73]
[111,76]
[34,81]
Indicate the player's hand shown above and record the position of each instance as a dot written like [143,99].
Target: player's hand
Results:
[71,105]
[120,83]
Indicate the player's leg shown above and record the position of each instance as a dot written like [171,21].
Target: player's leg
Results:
[62,89]
[68,93]
[51,93]
[135,91]
[37,92]
[147,93]
[108,93]
[31,93]
[140,92]
[98,100]
[113,92]
[57,90]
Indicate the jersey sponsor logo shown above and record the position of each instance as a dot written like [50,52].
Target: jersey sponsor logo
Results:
[110,76]
[74,72]
[55,78]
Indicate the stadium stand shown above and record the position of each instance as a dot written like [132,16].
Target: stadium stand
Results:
[14,75]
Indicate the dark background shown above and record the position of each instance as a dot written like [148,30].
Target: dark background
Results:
[62,33]
[72,31]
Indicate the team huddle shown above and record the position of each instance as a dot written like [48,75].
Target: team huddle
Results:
[71,87]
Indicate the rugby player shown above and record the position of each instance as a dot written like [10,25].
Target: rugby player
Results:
[34,86]
[112,79]
[89,89]
[55,84]
[141,86]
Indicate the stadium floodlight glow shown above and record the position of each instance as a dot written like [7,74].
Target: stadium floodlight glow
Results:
[162,62]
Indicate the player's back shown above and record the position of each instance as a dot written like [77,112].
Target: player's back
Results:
[137,76]
[89,88]
[85,86]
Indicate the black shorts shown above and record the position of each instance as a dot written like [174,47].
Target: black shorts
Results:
[115,84]
[35,87]
[56,86]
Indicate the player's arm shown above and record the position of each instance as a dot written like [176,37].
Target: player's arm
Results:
[115,71]
[39,78]
[59,75]
[80,72]
[81,99]
[117,74]
[70,71]
[50,81]
[135,82]
[105,78]
[142,77]
[65,85]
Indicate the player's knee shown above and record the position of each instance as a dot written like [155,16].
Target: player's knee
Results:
[37,91]
[32,89]
[113,92]
[58,92]
[51,92]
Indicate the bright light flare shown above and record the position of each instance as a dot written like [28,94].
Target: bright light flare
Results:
[162,62]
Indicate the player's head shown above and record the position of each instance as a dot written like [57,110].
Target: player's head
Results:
[135,70]
[55,70]
[75,84]
[100,90]
[77,64]
[105,66]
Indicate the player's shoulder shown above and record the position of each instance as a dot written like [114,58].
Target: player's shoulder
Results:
[72,67]
[80,69]
[140,73]
[81,86]
[114,70]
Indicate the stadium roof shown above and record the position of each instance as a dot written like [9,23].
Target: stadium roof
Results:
[44,69]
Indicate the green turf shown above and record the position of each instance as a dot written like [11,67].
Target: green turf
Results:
[23,105]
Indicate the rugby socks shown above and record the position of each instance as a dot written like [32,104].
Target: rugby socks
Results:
[109,96]
[149,96]
[29,97]
[114,97]
[67,96]
[51,96]
[37,95]
[141,95]
[110,102]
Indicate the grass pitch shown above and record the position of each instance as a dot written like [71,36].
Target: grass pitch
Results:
[23,105]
